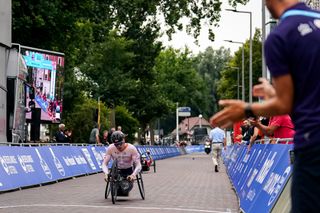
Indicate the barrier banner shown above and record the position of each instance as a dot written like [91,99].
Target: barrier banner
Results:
[249,160]
[26,166]
[274,181]
[260,175]
[226,153]
[23,166]
[234,157]
[236,170]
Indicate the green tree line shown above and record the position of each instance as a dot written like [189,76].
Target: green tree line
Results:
[112,52]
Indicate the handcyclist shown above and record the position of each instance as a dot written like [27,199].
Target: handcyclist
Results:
[146,160]
[126,155]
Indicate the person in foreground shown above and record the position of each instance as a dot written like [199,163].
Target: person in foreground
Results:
[126,155]
[292,52]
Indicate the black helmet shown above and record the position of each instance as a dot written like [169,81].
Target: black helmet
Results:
[117,137]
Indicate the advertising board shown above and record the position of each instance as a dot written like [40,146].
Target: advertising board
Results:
[46,78]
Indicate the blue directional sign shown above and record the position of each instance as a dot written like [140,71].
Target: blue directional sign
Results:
[184,111]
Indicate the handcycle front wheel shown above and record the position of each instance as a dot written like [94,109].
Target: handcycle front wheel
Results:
[114,181]
[140,185]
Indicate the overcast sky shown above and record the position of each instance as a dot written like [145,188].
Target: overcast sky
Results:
[233,26]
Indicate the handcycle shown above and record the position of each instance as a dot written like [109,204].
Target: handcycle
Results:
[147,161]
[118,185]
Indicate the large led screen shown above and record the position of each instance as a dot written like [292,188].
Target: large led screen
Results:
[45,78]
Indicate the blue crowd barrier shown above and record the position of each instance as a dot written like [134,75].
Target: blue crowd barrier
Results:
[258,176]
[195,148]
[33,165]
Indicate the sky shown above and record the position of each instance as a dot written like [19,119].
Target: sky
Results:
[232,26]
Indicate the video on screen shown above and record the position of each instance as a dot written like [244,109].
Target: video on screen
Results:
[45,80]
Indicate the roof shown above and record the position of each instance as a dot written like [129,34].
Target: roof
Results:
[189,123]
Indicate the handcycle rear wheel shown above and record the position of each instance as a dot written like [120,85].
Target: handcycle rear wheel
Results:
[154,166]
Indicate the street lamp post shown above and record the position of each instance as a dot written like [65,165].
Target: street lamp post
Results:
[263,38]
[250,55]
[177,122]
[242,72]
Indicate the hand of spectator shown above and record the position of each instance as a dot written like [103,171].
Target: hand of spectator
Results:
[248,148]
[131,177]
[264,90]
[233,111]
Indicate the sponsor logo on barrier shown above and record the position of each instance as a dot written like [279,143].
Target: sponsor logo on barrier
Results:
[57,163]
[26,163]
[88,157]
[274,184]
[80,160]
[69,161]
[1,184]
[251,194]
[6,161]
[266,168]
[253,175]
[97,156]
[5,166]
[44,165]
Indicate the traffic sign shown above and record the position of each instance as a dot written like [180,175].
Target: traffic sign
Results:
[184,111]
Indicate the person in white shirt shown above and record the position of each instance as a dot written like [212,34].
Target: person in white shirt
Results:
[217,137]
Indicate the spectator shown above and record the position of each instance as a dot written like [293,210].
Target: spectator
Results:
[94,135]
[110,133]
[68,134]
[105,137]
[218,139]
[246,132]
[292,53]
[60,136]
[280,126]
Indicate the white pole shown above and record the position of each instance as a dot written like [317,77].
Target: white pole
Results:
[242,74]
[177,119]
[250,71]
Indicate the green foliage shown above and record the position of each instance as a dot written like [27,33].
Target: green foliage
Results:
[128,123]
[81,120]
[179,81]
[119,66]
[227,85]
[209,65]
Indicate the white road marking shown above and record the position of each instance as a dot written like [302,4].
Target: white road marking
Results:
[116,207]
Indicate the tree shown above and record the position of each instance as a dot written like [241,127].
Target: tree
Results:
[75,27]
[81,120]
[226,88]
[179,82]
[209,65]
[128,123]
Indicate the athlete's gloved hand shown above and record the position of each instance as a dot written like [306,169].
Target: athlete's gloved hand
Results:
[131,177]
[106,177]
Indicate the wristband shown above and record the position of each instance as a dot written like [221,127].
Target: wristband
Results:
[248,111]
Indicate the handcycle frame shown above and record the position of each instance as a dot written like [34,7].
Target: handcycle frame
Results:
[113,183]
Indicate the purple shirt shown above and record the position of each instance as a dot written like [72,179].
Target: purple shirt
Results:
[293,47]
